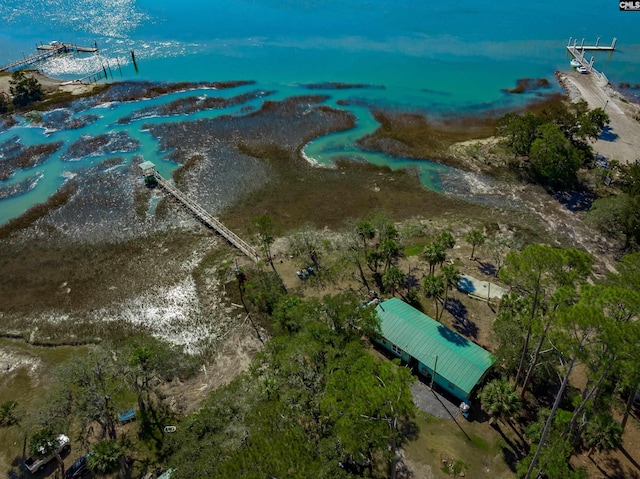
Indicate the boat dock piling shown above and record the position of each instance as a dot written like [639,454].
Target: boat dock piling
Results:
[596,47]
[47,51]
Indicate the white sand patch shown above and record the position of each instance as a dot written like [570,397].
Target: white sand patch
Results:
[174,314]
[11,361]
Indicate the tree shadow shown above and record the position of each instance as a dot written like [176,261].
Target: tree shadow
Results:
[575,201]
[403,472]
[452,336]
[510,458]
[411,281]
[614,469]
[607,134]
[456,309]
[631,459]
[409,431]
[461,323]
[487,268]
[466,285]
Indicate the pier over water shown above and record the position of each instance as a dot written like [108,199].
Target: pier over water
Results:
[47,51]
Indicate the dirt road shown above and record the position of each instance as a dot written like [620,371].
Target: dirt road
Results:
[621,139]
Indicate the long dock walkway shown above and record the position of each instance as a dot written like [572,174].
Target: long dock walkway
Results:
[44,52]
[208,220]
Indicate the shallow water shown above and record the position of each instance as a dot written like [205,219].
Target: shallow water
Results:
[448,58]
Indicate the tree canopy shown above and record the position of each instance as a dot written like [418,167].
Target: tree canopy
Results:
[554,142]
[24,88]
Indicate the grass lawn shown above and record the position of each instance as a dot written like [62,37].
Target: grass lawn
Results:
[473,449]
[26,380]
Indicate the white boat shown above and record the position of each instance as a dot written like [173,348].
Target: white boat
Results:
[575,63]
[582,70]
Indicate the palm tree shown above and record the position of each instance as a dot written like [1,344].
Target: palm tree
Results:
[446,239]
[433,288]
[106,457]
[451,276]
[434,253]
[365,232]
[603,433]
[8,414]
[392,278]
[475,238]
[500,399]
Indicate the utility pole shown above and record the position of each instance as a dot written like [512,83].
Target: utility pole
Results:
[433,376]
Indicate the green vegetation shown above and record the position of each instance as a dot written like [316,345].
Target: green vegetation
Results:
[551,146]
[318,401]
[25,89]
[4,103]
[8,413]
[315,404]
[570,321]
[618,214]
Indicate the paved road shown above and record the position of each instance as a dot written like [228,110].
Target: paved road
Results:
[433,403]
[621,141]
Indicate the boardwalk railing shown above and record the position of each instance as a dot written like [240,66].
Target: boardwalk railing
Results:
[207,219]
[578,54]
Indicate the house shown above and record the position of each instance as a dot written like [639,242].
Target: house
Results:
[454,363]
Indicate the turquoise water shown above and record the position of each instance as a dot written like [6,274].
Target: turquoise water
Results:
[446,58]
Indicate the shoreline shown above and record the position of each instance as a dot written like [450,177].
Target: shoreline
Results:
[51,84]
[620,140]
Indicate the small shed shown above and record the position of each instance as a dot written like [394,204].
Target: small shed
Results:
[148,168]
[454,362]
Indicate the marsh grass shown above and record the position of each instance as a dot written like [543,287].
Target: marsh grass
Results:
[43,275]
[141,198]
[180,173]
[27,157]
[58,199]
[418,137]
[326,197]
[60,99]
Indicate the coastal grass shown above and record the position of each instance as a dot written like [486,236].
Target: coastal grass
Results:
[46,275]
[418,137]
[55,201]
[298,193]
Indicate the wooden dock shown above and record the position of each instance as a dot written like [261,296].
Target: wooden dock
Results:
[44,52]
[578,51]
[201,215]
[596,47]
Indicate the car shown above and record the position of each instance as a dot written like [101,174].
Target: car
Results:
[78,468]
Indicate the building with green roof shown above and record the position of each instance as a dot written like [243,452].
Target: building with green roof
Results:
[456,364]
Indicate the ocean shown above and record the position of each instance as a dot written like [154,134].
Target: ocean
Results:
[439,58]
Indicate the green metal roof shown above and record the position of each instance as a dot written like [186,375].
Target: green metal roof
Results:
[146,165]
[460,361]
